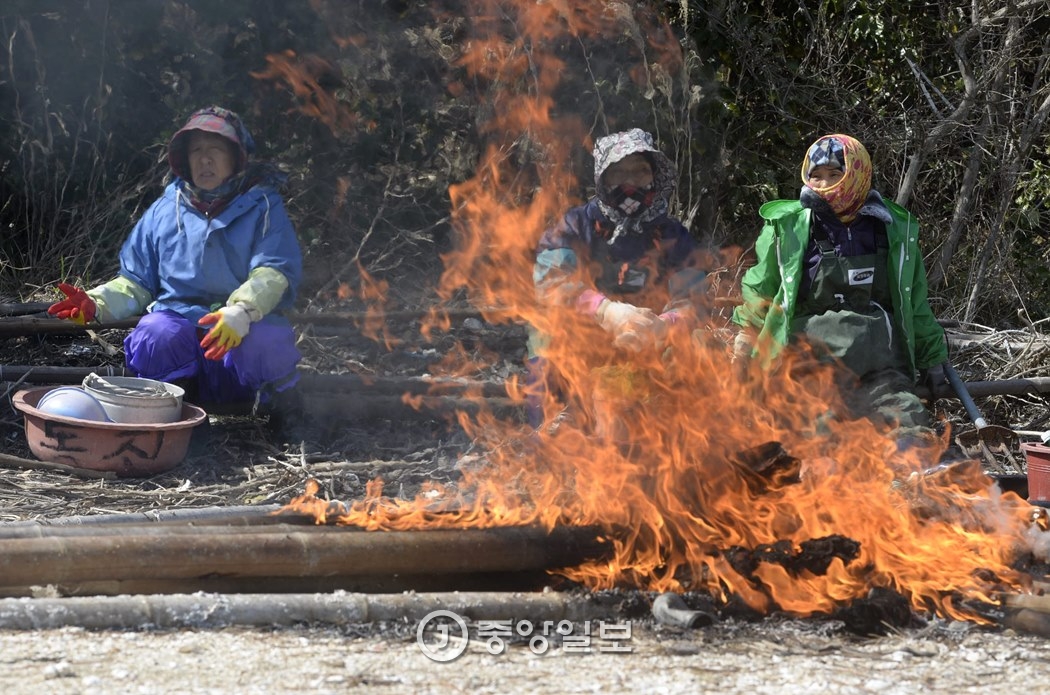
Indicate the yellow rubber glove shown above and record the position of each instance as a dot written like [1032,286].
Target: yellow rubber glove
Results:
[231,324]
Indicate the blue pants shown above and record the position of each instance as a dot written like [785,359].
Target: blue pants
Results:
[166,346]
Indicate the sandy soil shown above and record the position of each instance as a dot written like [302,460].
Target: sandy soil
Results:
[771,657]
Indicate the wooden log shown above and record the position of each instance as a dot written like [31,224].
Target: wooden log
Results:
[218,611]
[298,553]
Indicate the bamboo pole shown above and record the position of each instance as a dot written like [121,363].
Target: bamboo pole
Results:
[234,514]
[21,309]
[394,385]
[159,530]
[16,326]
[44,374]
[291,553]
[453,313]
[330,383]
[998,387]
[218,611]
[1027,613]
[379,584]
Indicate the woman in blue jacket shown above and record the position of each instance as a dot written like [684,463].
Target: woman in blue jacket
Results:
[214,261]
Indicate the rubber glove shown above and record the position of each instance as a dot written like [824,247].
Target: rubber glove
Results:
[934,378]
[231,325]
[743,345]
[78,307]
[632,327]
[671,317]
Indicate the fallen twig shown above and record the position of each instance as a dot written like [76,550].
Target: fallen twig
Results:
[16,462]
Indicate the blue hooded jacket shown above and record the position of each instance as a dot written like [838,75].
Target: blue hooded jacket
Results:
[191,264]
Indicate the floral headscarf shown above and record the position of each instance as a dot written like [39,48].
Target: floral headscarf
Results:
[613,148]
[842,152]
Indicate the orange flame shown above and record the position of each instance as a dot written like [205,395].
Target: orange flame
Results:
[310,79]
[660,451]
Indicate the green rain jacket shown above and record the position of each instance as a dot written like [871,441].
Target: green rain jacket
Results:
[770,287]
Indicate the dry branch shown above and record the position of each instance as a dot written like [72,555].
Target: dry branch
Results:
[19,463]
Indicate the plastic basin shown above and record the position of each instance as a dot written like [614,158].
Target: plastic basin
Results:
[129,450]
[1037,456]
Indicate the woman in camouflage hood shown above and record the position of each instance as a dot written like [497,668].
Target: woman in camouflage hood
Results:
[641,261]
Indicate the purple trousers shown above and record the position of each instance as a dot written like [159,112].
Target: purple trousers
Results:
[166,346]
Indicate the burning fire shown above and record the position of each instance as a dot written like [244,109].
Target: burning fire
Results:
[663,451]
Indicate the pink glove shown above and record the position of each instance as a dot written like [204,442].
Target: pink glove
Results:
[589,301]
[671,317]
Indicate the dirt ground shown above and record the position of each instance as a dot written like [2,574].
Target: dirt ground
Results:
[771,657]
[244,463]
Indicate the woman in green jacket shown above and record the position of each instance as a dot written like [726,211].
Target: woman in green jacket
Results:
[840,270]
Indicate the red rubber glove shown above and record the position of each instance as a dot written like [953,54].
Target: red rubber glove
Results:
[231,325]
[77,306]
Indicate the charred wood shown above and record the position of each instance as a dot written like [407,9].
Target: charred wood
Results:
[880,612]
[768,466]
